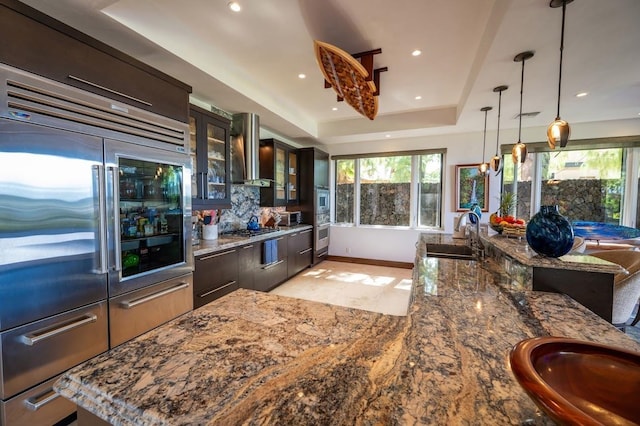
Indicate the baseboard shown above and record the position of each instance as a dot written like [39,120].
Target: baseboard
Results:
[376,262]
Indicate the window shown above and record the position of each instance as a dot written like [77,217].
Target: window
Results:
[345,190]
[586,185]
[382,187]
[385,185]
[430,205]
[588,180]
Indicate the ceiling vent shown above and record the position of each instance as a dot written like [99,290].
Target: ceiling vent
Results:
[526,114]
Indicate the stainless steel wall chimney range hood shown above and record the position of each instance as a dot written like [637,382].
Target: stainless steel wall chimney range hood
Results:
[245,148]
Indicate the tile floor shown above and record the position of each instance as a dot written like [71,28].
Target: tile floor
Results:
[373,288]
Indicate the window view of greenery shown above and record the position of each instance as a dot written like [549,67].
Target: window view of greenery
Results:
[587,185]
[385,190]
[385,186]
[430,190]
[345,190]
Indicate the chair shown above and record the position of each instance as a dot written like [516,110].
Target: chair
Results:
[626,286]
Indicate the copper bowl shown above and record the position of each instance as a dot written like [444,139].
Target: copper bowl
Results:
[578,382]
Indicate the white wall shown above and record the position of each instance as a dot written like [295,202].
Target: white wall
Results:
[373,243]
[464,148]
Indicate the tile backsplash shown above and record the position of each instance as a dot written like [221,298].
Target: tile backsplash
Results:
[245,203]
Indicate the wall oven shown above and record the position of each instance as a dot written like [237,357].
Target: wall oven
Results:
[322,200]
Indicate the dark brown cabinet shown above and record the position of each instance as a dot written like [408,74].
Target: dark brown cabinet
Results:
[279,164]
[249,256]
[269,275]
[209,145]
[300,247]
[42,45]
[214,276]
[314,181]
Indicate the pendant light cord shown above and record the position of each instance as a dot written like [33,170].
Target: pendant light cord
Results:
[484,138]
[498,130]
[521,85]
[564,8]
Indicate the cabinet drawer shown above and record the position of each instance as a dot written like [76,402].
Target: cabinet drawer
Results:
[54,50]
[209,295]
[38,406]
[269,276]
[39,350]
[215,275]
[137,312]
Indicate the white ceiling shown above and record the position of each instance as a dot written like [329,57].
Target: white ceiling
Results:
[250,61]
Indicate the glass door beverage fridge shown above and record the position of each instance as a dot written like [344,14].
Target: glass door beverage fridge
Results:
[146,193]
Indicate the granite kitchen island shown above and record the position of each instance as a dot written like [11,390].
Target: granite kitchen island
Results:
[256,358]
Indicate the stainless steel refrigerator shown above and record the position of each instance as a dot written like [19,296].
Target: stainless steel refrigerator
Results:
[95,244]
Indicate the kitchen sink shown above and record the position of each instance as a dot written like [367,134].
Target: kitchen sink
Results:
[450,251]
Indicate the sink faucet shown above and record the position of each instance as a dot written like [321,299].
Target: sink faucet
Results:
[474,243]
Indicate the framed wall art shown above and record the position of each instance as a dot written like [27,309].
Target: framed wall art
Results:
[472,187]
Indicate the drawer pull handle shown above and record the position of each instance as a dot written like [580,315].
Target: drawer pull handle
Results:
[305,251]
[272,265]
[115,92]
[278,239]
[36,402]
[324,253]
[47,333]
[247,247]
[145,299]
[217,255]
[217,289]
[307,231]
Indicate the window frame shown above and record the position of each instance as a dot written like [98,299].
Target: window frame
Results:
[414,193]
[630,164]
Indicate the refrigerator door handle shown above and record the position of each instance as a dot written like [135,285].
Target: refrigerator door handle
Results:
[113,170]
[102,219]
[126,304]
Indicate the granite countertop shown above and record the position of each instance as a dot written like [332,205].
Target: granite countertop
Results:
[518,249]
[256,358]
[226,242]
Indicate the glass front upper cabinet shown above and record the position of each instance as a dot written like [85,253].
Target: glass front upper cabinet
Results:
[279,164]
[292,172]
[209,150]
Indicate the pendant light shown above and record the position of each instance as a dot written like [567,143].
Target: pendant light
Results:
[519,151]
[558,131]
[483,168]
[496,162]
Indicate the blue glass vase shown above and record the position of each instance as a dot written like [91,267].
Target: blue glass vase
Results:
[549,233]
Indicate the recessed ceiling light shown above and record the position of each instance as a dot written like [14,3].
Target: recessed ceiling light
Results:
[302,75]
[416,52]
[334,109]
[235,6]
[418,97]
[581,94]
[387,136]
